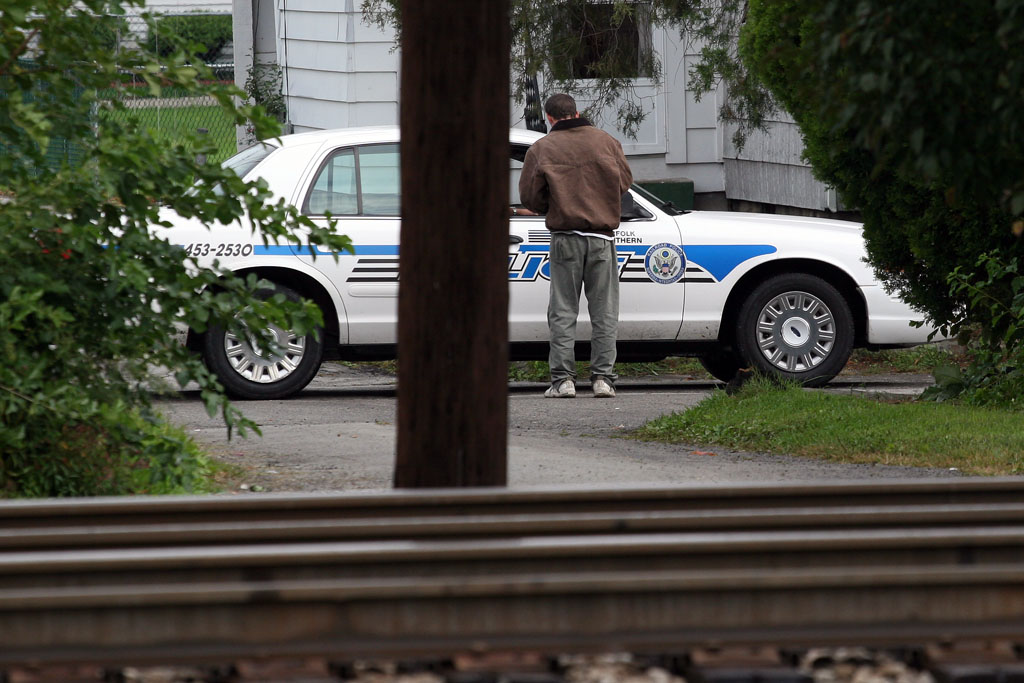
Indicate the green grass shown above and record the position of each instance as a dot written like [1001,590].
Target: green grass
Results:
[171,124]
[763,417]
[537,371]
[768,418]
[921,359]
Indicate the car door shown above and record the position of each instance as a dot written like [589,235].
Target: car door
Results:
[651,265]
[651,268]
[358,185]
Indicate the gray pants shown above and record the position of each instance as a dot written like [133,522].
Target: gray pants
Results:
[578,264]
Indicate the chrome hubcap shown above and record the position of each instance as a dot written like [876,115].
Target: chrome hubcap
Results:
[251,356]
[796,331]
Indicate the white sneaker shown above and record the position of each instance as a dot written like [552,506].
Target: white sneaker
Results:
[564,389]
[603,388]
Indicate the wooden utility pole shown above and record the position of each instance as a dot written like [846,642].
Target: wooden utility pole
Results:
[453,278]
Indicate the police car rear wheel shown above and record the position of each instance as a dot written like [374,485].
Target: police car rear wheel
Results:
[250,368]
[798,327]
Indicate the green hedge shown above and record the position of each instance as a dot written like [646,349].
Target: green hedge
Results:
[111,30]
[212,31]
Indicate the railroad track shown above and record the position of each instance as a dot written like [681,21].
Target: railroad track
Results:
[140,512]
[430,574]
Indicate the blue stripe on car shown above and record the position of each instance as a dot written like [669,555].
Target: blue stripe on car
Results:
[722,259]
[311,249]
[717,259]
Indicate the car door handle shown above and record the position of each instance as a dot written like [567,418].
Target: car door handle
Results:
[514,239]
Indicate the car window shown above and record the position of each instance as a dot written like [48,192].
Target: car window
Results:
[515,170]
[380,180]
[335,189]
[357,181]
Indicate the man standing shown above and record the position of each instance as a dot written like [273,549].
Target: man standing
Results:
[576,176]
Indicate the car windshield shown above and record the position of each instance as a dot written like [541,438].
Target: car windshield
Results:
[243,162]
[667,207]
[246,160]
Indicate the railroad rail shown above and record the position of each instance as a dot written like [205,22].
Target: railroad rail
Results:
[426,574]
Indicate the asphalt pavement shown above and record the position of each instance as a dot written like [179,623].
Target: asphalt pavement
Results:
[339,434]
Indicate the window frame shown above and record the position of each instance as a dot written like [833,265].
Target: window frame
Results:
[644,38]
[337,151]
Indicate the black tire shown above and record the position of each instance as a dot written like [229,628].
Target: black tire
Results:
[250,373]
[722,365]
[797,327]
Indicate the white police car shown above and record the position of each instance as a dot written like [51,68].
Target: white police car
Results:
[779,293]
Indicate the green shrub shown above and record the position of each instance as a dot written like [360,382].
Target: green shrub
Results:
[869,124]
[899,139]
[116,450]
[171,32]
[89,296]
[264,86]
[995,375]
[111,30]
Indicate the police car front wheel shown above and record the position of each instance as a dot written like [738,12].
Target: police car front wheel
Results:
[796,326]
[271,363]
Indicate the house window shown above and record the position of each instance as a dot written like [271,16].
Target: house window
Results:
[607,44]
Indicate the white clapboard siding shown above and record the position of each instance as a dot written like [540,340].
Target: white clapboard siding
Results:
[340,71]
[770,169]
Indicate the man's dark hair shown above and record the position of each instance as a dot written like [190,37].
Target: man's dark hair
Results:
[560,106]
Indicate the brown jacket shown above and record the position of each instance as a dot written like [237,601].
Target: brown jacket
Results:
[576,175]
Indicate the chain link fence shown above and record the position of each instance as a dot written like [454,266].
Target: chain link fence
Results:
[59,149]
[174,112]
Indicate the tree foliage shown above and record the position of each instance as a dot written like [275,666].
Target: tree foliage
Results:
[914,111]
[914,115]
[597,50]
[209,31]
[89,298]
